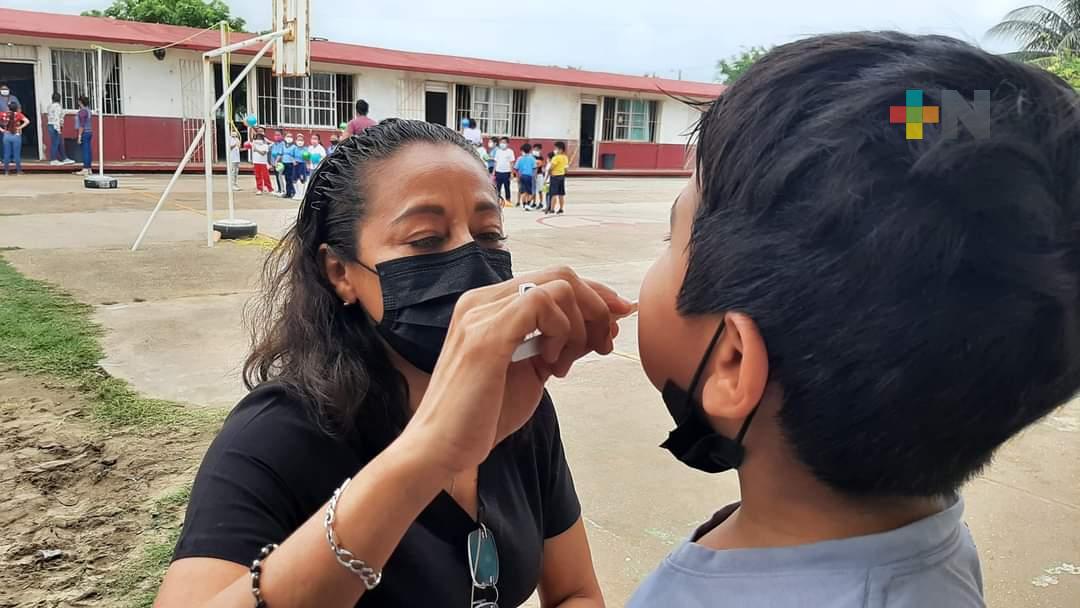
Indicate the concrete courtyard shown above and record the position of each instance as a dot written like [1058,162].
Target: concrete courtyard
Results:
[173,318]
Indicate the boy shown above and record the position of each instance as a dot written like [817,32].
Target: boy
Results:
[504,165]
[234,159]
[892,309]
[557,175]
[526,169]
[333,144]
[538,179]
[260,152]
[289,158]
[277,154]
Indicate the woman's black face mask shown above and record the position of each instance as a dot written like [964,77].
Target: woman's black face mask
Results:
[420,292]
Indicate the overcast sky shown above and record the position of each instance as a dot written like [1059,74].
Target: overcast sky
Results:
[630,36]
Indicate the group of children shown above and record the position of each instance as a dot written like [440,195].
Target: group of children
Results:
[541,179]
[289,160]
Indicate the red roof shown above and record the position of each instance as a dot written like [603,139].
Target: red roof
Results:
[111,31]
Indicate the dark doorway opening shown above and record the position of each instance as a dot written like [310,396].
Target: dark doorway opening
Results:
[239,109]
[20,79]
[587,141]
[435,104]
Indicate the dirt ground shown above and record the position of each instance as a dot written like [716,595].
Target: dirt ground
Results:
[78,503]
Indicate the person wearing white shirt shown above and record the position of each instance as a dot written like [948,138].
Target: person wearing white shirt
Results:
[234,158]
[56,126]
[471,133]
[504,165]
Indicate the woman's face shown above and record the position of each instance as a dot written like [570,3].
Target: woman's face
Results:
[426,198]
[670,345]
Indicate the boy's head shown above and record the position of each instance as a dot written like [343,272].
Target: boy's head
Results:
[56,97]
[299,138]
[560,147]
[897,308]
[316,139]
[279,135]
[504,142]
[333,140]
[361,107]
[526,149]
[84,101]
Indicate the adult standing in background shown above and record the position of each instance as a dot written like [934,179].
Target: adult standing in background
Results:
[12,122]
[56,127]
[6,97]
[361,121]
[84,125]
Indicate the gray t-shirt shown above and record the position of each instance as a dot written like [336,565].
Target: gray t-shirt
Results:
[930,563]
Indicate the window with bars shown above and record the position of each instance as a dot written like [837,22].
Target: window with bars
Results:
[497,111]
[630,119]
[317,100]
[74,75]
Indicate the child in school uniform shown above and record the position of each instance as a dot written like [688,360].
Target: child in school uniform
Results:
[260,160]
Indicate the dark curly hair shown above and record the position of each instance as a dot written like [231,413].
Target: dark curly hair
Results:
[327,355]
[920,299]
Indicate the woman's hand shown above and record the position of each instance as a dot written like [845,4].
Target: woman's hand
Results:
[476,396]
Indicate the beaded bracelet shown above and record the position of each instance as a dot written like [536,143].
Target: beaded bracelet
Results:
[256,572]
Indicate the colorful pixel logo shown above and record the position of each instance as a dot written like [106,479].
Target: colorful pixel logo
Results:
[913,115]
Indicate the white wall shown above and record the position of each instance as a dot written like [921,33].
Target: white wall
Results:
[676,119]
[380,89]
[150,87]
[554,112]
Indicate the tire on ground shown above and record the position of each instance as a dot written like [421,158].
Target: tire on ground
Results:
[236,229]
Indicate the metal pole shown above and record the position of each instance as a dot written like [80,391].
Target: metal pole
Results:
[208,145]
[246,43]
[195,143]
[226,83]
[101,114]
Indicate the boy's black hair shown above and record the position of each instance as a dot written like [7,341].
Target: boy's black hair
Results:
[560,145]
[526,148]
[84,100]
[919,299]
[538,146]
[551,155]
[504,138]
[361,107]
[56,97]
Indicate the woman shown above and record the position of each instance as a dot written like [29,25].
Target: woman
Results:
[84,126]
[397,223]
[13,122]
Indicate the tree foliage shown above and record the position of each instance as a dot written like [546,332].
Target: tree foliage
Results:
[192,13]
[1042,31]
[1066,67]
[728,70]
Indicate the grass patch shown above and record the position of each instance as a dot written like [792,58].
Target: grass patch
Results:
[47,332]
[141,578]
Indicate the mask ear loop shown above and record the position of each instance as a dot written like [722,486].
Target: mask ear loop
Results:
[697,378]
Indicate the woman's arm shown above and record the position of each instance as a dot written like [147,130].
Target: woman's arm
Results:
[25,121]
[373,514]
[567,578]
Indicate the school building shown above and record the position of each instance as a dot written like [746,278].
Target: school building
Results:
[154,99]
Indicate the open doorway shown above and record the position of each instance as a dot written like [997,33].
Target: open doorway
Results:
[587,141]
[20,79]
[435,106]
[239,108]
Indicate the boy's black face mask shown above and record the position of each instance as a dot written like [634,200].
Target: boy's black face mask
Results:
[693,441]
[420,291]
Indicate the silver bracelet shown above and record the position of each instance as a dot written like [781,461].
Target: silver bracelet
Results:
[367,574]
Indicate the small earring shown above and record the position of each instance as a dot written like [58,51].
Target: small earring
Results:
[346,303]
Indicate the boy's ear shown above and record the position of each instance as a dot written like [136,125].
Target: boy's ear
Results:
[738,372]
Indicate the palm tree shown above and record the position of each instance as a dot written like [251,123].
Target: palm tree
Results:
[1041,31]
